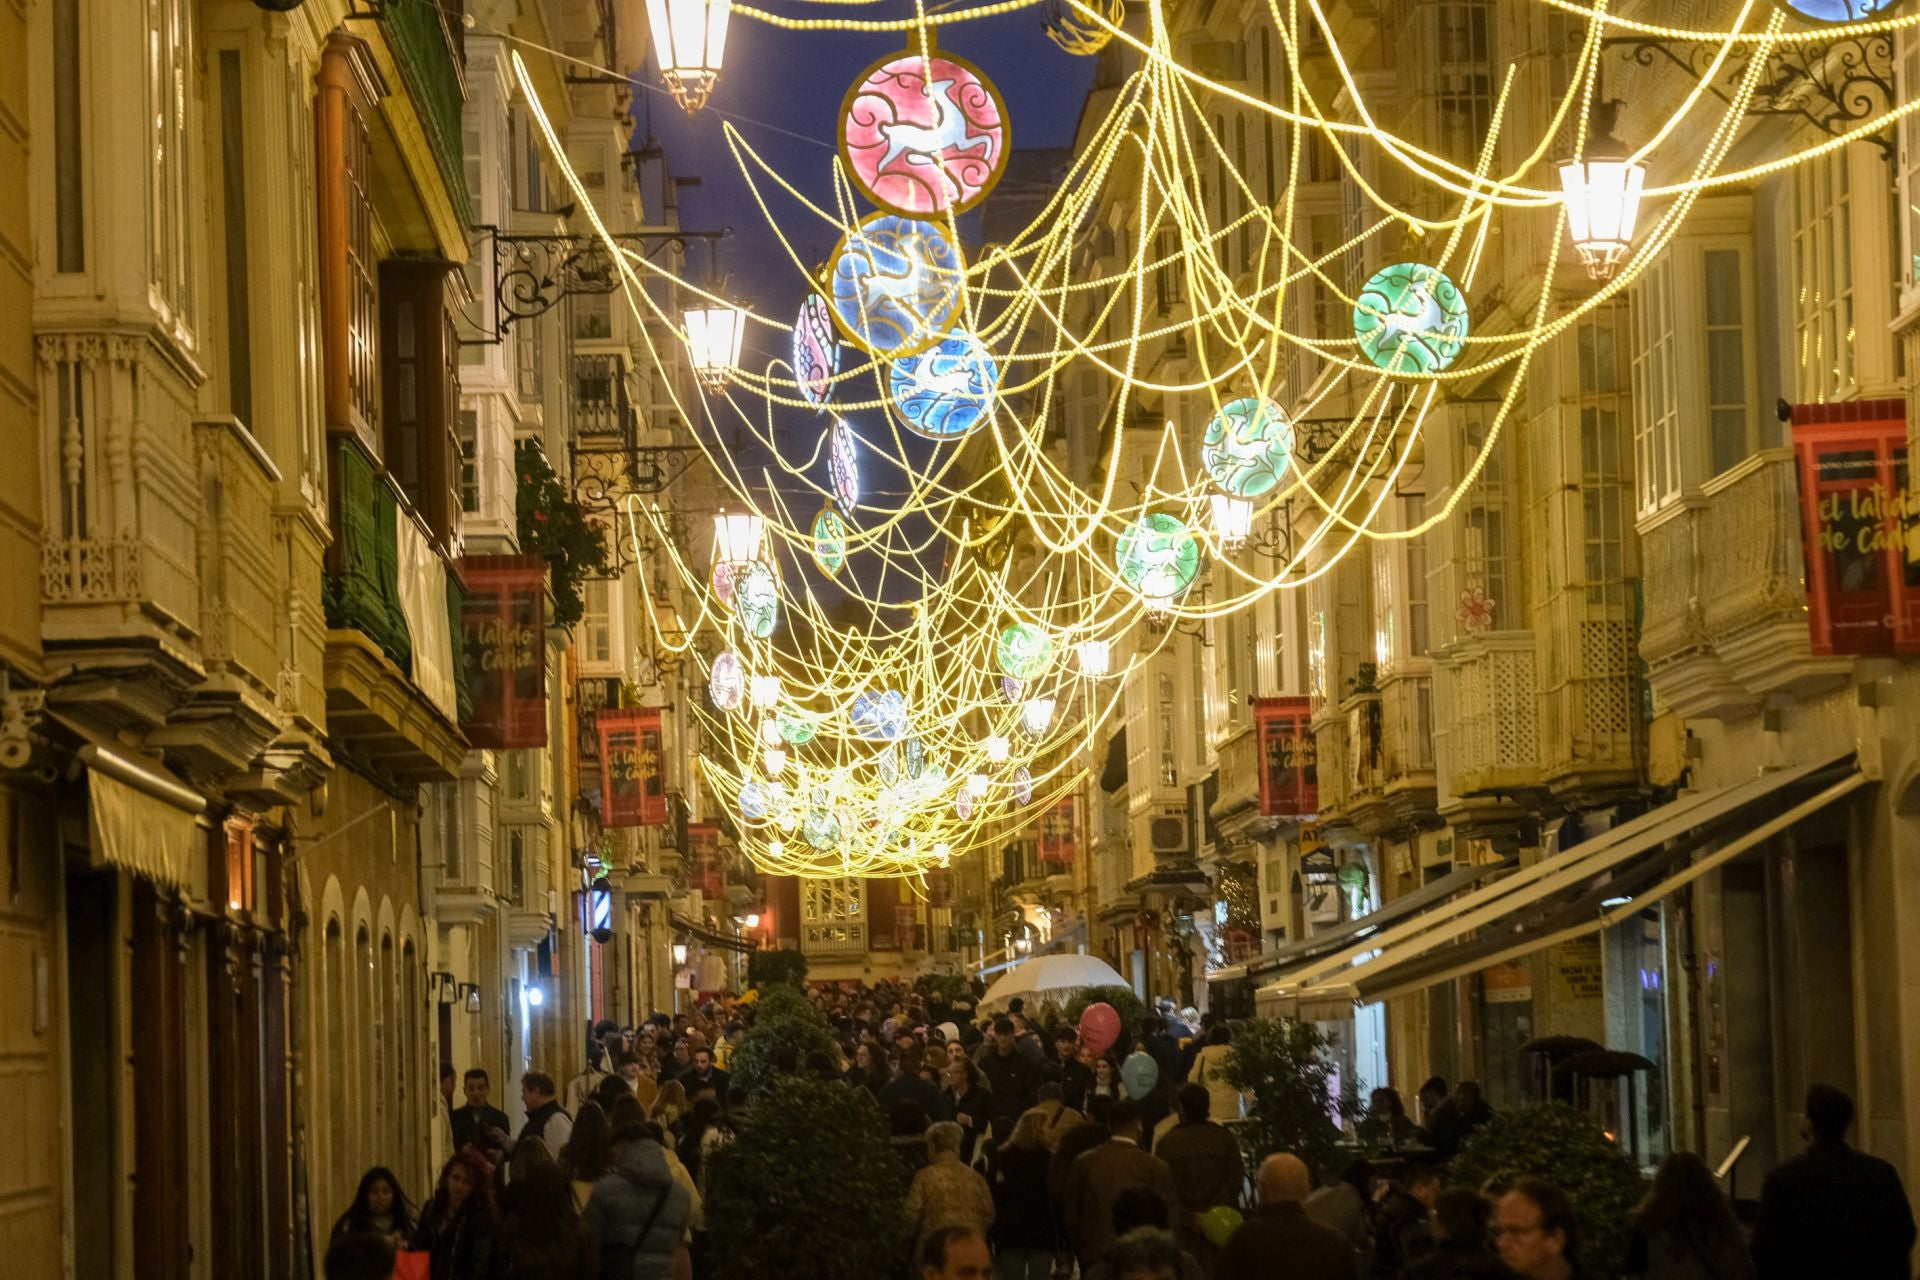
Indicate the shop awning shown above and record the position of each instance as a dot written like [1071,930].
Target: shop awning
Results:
[1319,944]
[710,937]
[1591,887]
[141,817]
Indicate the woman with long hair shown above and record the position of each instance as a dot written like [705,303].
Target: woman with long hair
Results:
[1684,1229]
[380,1207]
[1025,1234]
[1210,1067]
[869,1069]
[541,1237]
[669,1106]
[625,1111]
[456,1228]
[1106,1079]
[588,1155]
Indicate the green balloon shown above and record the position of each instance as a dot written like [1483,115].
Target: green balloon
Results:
[1157,555]
[1219,1223]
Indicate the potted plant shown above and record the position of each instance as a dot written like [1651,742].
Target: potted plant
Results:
[554,526]
[810,1189]
[786,1031]
[1283,1067]
[1568,1148]
[784,966]
[1124,1003]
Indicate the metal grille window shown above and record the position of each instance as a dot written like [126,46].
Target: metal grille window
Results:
[1414,589]
[363,304]
[529,377]
[1909,193]
[1168,774]
[1730,391]
[1601,480]
[1486,549]
[1823,276]
[1462,83]
[170,195]
[1656,428]
[469,460]
[1169,281]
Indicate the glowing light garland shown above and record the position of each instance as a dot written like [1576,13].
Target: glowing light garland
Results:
[890,746]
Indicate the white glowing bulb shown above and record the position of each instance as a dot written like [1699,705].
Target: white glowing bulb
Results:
[770,732]
[1096,657]
[764,690]
[776,761]
[997,748]
[1036,716]
[977,786]
[776,849]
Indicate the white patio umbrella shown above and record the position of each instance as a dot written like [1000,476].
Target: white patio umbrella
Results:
[1052,978]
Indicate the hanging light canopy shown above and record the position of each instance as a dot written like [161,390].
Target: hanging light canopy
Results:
[737,536]
[714,333]
[689,43]
[1602,191]
[1232,521]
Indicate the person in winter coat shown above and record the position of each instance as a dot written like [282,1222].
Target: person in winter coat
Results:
[1401,1231]
[1458,1226]
[1025,1233]
[456,1228]
[1208,1168]
[1210,1067]
[947,1193]
[1685,1229]
[542,1237]
[968,1103]
[1831,1210]
[639,1212]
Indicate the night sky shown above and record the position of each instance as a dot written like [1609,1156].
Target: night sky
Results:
[783,91]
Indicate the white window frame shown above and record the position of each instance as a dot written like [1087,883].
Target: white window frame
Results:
[1825,311]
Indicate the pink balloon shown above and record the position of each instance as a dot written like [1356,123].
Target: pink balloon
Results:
[1099,1027]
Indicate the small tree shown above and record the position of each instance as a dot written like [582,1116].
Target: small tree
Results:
[810,1190]
[784,967]
[1282,1065]
[1124,1003]
[786,1031]
[553,525]
[1566,1147]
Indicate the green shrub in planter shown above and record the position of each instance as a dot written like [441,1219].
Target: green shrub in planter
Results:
[1283,1067]
[810,1190]
[1124,1003]
[941,988]
[786,1030]
[784,967]
[1565,1146]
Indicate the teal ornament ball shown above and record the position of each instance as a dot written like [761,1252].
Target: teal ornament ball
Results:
[1247,446]
[794,730]
[916,757]
[755,802]
[756,599]
[1025,651]
[1158,556]
[1411,318]
[830,541]
[821,829]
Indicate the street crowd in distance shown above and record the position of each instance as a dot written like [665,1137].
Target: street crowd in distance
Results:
[1023,1154]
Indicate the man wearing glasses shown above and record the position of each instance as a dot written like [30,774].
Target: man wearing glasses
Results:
[1533,1230]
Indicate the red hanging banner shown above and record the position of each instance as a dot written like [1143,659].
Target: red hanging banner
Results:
[503,646]
[1055,839]
[1860,527]
[633,788]
[1289,773]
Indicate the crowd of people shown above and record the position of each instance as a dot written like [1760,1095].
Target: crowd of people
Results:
[1030,1157]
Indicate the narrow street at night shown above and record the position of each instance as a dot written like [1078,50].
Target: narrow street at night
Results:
[979,640]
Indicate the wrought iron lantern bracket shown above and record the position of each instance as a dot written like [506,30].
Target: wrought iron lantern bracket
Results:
[533,273]
[1832,84]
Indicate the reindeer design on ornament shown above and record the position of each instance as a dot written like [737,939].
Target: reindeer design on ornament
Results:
[924,134]
[950,134]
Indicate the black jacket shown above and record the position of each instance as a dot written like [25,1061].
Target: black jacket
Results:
[471,1125]
[1284,1231]
[1014,1080]
[1073,1144]
[1466,1261]
[1023,1216]
[911,1088]
[536,1125]
[460,1246]
[1834,1212]
[1400,1235]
